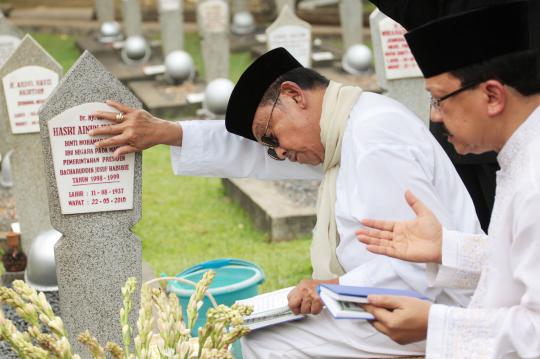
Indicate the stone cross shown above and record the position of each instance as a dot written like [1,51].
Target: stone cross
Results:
[28,77]
[350,13]
[132,17]
[105,10]
[213,20]
[293,34]
[171,20]
[280,4]
[10,38]
[94,200]
[397,71]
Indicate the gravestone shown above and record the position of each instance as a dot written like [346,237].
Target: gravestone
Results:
[213,19]
[398,73]
[10,38]
[280,4]
[94,200]
[132,17]
[171,23]
[105,10]
[351,16]
[28,78]
[239,6]
[293,34]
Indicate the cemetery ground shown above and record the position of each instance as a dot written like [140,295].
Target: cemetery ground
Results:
[188,220]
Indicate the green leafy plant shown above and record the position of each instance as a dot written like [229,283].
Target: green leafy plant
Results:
[172,339]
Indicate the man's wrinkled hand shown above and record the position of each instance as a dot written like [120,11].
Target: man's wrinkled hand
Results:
[304,298]
[135,131]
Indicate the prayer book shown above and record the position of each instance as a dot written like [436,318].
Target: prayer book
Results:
[269,309]
[344,302]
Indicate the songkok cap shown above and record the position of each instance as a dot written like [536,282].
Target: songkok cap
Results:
[452,42]
[249,90]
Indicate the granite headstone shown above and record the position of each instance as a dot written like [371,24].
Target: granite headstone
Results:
[132,17]
[398,73]
[94,200]
[171,23]
[10,38]
[350,13]
[292,33]
[28,77]
[213,19]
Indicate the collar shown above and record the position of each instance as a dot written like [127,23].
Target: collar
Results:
[528,130]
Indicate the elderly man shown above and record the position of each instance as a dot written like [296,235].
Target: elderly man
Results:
[487,94]
[371,149]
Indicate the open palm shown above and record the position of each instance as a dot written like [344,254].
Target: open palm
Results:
[418,240]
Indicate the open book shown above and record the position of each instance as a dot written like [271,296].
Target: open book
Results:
[344,302]
[269,309]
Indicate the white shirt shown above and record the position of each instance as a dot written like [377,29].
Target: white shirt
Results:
[503,319]
[386,150]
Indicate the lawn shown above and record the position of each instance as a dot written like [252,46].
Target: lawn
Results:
[188,220]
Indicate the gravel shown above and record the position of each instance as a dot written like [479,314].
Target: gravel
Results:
[303,192]
[7,209]
[5,350]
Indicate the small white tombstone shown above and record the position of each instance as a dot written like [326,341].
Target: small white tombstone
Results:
[293,34]
[397,71]
[132,17]
[105,10]
[213,20]
[280,4]
[350,12]
[171,19]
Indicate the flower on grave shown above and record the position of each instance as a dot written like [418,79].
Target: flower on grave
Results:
[223,327]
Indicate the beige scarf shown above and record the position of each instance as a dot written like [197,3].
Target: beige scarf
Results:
[338,102]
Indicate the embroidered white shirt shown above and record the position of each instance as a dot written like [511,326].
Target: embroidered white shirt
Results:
[503,318]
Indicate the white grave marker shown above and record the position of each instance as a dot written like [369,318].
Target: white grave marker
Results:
[399,62]
[397,71]
[293,34]
[89,179]
[26,89]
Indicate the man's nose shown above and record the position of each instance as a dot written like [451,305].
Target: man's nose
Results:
[435,115]
[281,153]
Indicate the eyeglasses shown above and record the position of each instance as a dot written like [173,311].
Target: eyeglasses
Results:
[270,141]
[435,102]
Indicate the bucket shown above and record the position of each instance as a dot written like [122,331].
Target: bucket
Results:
[235,279]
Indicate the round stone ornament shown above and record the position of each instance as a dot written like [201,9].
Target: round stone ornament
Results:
[243,23]
[217,94]
[357,59]
[40,272]
[135,50]
[179,66]
[110,32]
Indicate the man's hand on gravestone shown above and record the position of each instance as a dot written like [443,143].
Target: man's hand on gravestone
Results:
[418,240]
[403,319]
[304,298]
[137,130]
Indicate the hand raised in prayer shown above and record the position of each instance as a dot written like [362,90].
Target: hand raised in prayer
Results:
[403,319]
[135,130]
[418,240]
[304,298]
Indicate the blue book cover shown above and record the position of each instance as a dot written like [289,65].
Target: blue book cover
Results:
[343,292]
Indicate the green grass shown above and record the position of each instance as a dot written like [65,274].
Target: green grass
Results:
[61,47]
[188,220]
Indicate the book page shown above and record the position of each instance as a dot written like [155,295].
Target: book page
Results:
[271,301]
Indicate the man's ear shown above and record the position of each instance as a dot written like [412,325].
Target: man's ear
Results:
[495,94]
[295,93]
